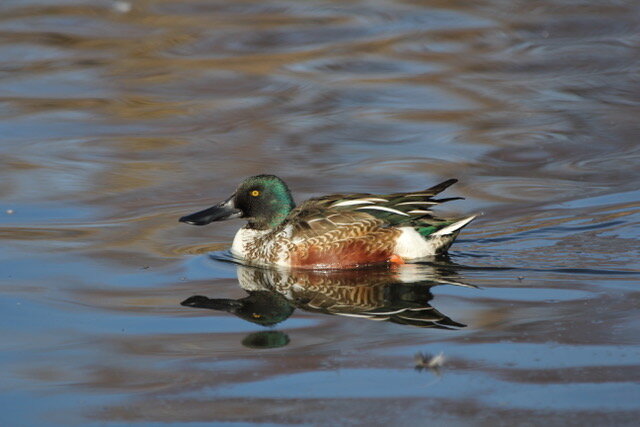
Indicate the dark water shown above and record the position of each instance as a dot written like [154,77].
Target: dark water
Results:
[116,118]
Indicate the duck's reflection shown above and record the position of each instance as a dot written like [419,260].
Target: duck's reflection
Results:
[400,296]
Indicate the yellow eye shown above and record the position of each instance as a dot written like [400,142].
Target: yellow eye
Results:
[255,193]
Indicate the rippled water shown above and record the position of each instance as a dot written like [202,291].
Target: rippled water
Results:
[118,117]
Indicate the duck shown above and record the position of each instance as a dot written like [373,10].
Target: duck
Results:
[339,231]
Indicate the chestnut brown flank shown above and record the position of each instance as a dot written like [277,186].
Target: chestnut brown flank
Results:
[347,254]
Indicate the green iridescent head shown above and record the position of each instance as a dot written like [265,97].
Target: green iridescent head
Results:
[263,200]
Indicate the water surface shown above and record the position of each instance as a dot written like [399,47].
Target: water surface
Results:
[118,117]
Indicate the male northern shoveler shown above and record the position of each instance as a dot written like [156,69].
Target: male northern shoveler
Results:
[332,232]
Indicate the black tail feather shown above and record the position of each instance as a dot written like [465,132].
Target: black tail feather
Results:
[442,186]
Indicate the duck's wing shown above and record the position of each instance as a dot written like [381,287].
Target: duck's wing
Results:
[324,214]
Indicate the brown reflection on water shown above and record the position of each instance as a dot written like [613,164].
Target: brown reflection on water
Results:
[117,117]
[353,411]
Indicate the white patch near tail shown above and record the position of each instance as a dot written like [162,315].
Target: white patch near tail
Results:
[411,244]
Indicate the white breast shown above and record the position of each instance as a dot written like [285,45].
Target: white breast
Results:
[244,236]
[247,245]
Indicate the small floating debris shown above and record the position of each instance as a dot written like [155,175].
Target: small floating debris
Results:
[429,361]
[9,211]
[122,6]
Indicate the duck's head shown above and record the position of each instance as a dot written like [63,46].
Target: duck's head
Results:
[263,200]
